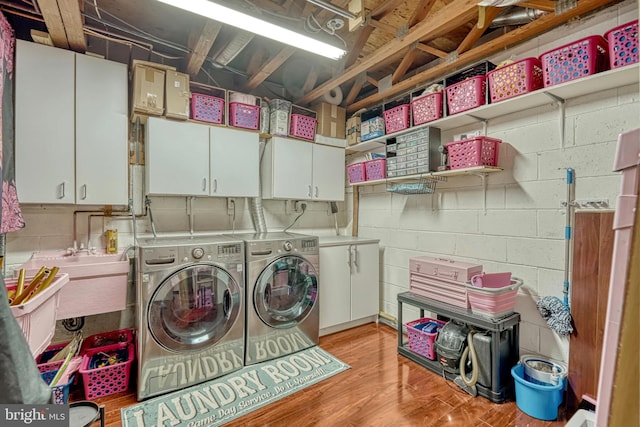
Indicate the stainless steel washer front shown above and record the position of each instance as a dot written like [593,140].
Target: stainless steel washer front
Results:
[190,311]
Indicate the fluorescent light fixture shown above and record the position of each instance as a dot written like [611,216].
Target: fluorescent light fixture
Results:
[262,28]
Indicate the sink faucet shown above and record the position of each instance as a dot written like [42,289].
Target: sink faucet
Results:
[75,251]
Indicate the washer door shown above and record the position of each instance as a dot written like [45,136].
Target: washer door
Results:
[194,308]
[286,292]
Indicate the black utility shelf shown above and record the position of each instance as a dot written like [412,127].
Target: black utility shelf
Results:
[498,392]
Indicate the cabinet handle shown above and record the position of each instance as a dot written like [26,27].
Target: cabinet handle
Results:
[316,191]
[355,258]
[350,257]
[83,192]
[309,192]
[204,184]
[61,192]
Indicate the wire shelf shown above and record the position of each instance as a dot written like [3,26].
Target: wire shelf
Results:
[424,185]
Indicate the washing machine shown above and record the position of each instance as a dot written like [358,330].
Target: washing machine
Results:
[190,318]
[282,312]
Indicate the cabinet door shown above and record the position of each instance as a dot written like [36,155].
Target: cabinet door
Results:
[177,158]
[44,124]
[234,163]
[335,286]
[328,173]
[287,169]
[365,283]
[101,131]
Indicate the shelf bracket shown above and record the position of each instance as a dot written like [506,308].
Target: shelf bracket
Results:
[485,123]
[561,104]
[483,178]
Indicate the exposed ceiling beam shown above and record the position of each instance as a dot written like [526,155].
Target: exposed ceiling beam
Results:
[355,89]
[544,5]
[311,80]
[386,7]
[477,31]
[356,48]
[372,81]
[421,12]
[432,50]
[389,29]
[200,43]
[257,58]
[53,21]
[539,26]
[72,21]
[272,65]
[404,65]
[457,13]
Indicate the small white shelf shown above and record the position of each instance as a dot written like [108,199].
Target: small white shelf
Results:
[478,170]
[587,85]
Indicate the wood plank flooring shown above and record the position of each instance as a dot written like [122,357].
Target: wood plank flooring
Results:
[382,388]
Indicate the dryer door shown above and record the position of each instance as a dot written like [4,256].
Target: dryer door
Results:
[194,307]
[286,291]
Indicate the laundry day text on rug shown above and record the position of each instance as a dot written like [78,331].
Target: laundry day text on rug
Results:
[226,398]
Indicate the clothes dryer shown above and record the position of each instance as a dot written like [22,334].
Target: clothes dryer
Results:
[190,319]
[282,313]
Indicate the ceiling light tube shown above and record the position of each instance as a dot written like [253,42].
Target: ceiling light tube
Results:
[333,8]
[258,26]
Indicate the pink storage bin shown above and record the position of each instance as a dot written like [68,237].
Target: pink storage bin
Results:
[444,268]
[447,291]
[47,354]
[581,58]
[515,79]
[491,280]
[426,108]
[109,379]
[303,126]
[396,118]
[494,302]
[37,316]
[472,152]
[244,115]
[207,108]
[375,169]
[467,94]
[356,172]
[623,44]
[422,342]
[104,339]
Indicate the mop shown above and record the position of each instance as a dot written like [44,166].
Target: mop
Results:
[555,312]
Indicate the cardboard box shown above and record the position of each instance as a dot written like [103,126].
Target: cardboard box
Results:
[177,95]
[353,130]
[148,90]
[331,120]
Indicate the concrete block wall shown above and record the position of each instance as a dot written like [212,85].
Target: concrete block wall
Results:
[522,228]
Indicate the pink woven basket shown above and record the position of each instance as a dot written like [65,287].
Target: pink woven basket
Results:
[109,379]
[427,108]
[515,79]
[303,126]
[356,172]
[422,342]
[375,169]
[244,115]
[472,152]
[574,60]
[396,118]
[623,44]
[207,108]
[467,94]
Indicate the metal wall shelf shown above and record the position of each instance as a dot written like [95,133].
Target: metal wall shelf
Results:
[587,85]
[477,171]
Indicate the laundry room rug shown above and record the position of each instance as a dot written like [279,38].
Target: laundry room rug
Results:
[219,401]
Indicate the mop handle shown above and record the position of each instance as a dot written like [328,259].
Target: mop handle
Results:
[567,237]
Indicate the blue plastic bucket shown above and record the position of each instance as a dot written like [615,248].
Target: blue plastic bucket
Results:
[537,400]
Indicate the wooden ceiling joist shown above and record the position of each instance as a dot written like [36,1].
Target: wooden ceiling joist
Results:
[53,21]
[72,21]
[477,31]
[457,13]
[539,26]
[432,50]
[386,7]
[421,12]
[272,65]
[544,5]
[372,81]
[389,29]
[200,43]
[404,65]
[356,88]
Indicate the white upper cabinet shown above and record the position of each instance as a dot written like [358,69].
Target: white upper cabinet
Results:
[101,131]
[45,125]
[293,169]
[177,158]
[234,163]
[71,127]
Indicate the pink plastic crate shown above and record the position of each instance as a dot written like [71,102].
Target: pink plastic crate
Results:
[104,339]
[422,342]
[427,108]
[515,79]
[109,379]
[623,44]
[471,152]
[396,118]
[207,108]
[356,172]
[303,126]
[60,391]
[575,60]
[467,94]
[47,354]
[375,169]
[244,115]
[493,302]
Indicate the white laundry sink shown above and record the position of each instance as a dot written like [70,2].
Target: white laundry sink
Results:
[97,281]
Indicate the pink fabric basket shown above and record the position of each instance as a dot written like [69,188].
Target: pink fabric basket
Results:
[623,44]
[515,79]
[467,94]
[472,152]
[375,169]
[427,108]
[581,58]
[396,118]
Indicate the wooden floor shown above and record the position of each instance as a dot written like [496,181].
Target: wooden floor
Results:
[382,388]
